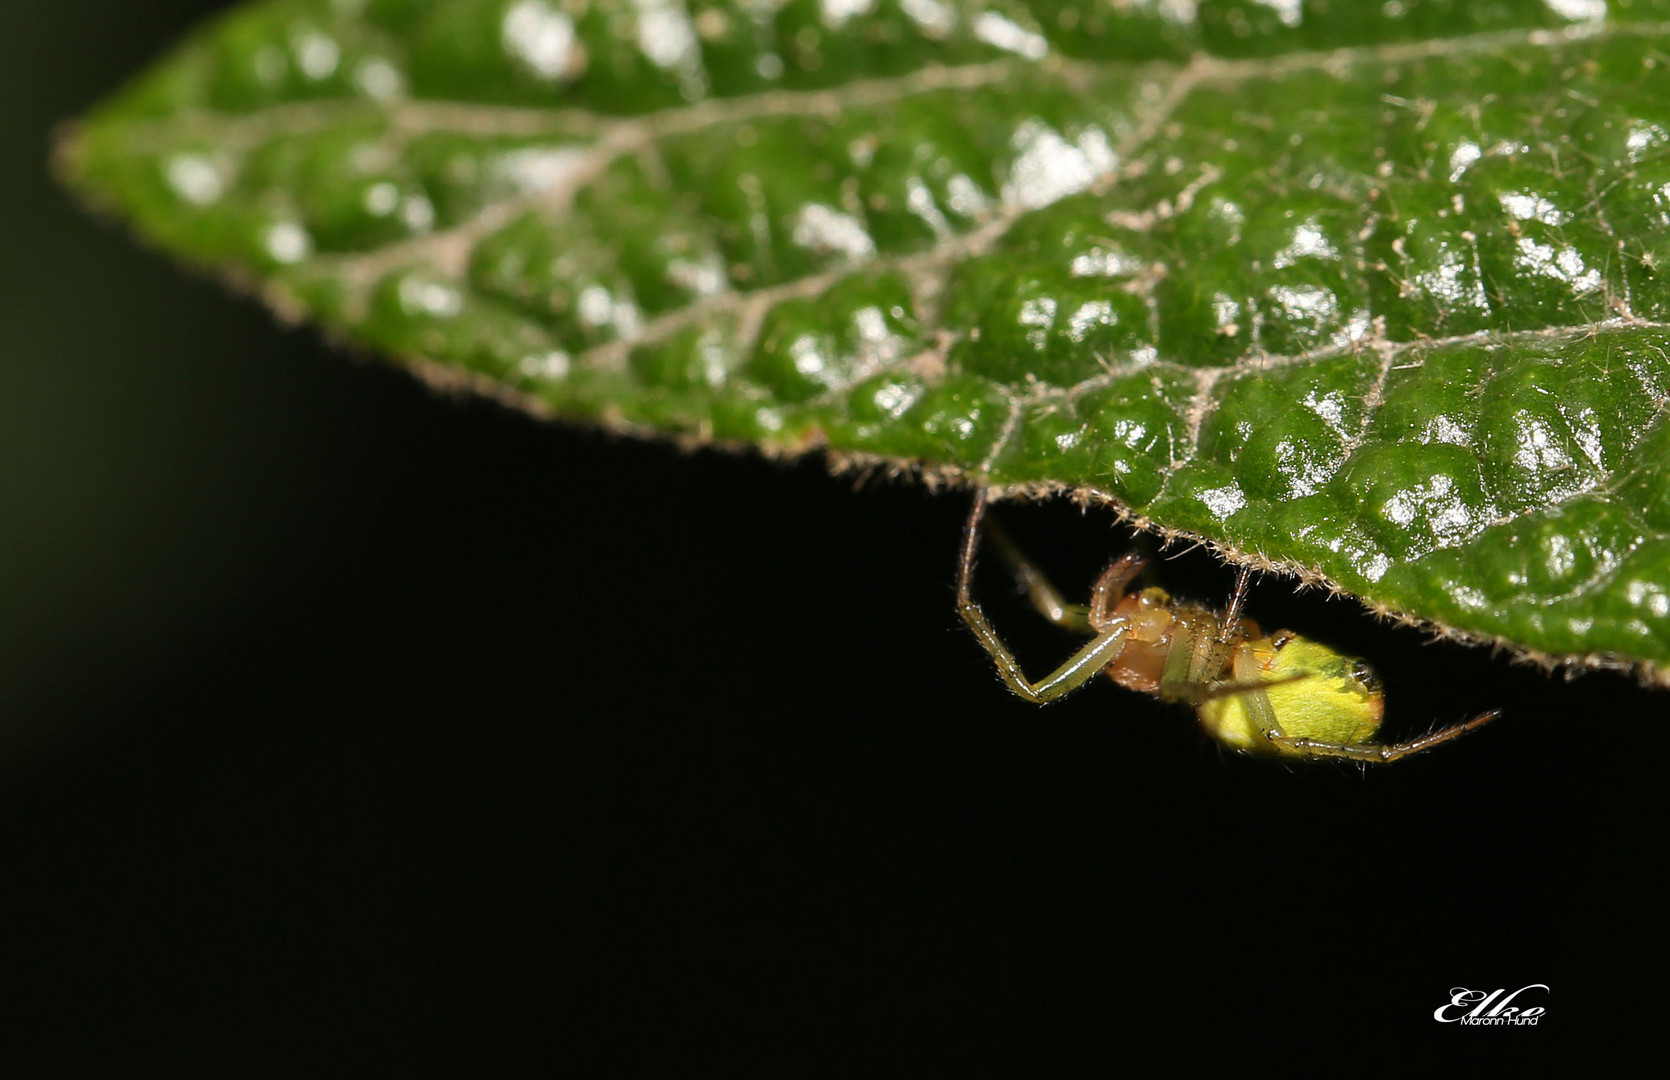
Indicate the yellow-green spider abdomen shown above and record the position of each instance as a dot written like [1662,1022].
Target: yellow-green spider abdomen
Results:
[1305,691]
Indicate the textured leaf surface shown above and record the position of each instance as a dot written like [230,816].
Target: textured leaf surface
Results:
[1374,291]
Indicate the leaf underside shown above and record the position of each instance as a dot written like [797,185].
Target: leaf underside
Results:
[1376,293]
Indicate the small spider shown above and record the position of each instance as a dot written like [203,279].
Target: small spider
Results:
[1278,694]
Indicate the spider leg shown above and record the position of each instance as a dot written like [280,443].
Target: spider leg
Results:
[1078,670]
[1213,652]
[1196,663]
[1377,752]
[1231,621]
[1111,587]
[1200,693]
[1043,595]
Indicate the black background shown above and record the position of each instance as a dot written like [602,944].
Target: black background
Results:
[348,729]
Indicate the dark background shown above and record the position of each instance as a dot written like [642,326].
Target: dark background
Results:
[349,729]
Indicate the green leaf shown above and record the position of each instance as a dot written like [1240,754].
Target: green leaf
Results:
[1374,292]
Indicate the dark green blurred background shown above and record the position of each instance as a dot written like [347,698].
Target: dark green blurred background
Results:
[347,728]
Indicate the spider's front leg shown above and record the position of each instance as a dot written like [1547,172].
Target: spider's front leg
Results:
[1044,596]
[1103,649]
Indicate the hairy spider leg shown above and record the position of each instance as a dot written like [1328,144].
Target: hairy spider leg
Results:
[1194,663]
[1375,751]
[1231,621]
[1195,669]
[1083,666]
[1043,595]
[1111,587]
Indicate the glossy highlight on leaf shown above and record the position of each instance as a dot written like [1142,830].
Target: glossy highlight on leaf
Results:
[1373,292]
